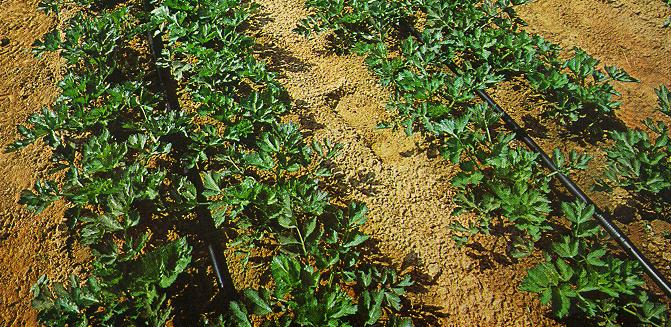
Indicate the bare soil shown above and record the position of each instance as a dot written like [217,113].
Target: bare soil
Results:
[29,245]
[405,186]
[628,34]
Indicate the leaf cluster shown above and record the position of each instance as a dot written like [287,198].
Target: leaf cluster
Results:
[125,157]
[488,45]
[497,180]
[579,275]
[639,160]
[482,43]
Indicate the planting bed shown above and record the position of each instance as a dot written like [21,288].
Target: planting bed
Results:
[404,182]
[30,246]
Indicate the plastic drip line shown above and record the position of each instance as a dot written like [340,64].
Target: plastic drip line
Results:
[207,230]
[601,217]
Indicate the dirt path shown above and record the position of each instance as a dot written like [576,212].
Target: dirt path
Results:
[407,191]
[29,246]
[406,188]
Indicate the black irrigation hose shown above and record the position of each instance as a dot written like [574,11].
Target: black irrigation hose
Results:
[206,228]
[601,217]
[216,251]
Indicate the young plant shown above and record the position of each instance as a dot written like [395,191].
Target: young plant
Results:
[579,90]
[353,21]
[128,291]
[107,178]
[639,160]
[579,275]
[316,289]
[496,178]
[127,159]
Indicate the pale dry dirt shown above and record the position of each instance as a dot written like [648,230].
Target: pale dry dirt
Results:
[405,186]
[29,245]
[406,189]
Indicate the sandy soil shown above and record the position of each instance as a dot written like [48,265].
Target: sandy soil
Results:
[406,188]
[628,34]
[407,191]
[29,245]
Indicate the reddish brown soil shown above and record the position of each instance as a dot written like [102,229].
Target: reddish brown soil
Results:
[406,188]
[628,34]
[29,245]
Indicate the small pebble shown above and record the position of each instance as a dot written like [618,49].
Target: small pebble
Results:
[4,41]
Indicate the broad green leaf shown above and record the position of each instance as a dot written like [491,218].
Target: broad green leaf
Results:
[240,315]
[594,257]
[358,239]
[211,187]
[567,248]
[260,306]
[564,269]
[560,303]
[539,278]
[619,74]
[162,265]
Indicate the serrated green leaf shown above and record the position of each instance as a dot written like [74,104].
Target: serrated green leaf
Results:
[594,257]
[210,185]
[358,239]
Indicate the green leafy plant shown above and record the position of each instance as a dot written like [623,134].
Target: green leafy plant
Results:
[578,89]
[126,158]
[354,20]
[580,275]
[130,291]
[318,294]
[496,179]
[639,160]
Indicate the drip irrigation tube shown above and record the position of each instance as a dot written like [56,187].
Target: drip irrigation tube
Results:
[601,217]
[215,249]
[207,230]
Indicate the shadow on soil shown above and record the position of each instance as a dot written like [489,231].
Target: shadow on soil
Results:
[421,314]
[587,131]
[280,61]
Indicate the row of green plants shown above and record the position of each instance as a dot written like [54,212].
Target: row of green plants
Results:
[120,161]
[491,46]
[639,160]
[411,45]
